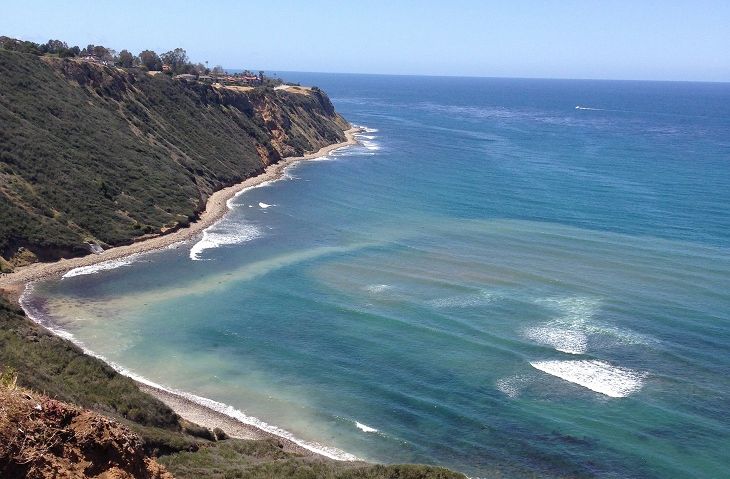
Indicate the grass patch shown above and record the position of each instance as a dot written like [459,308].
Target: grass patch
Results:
[59,369]
[265,460]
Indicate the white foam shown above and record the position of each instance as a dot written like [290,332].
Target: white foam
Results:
[467,301]
[230,203]
[103,266]
[223,233]
[370,145]
[574,309]
[598,376]
[588,108]
[377,288]
[575,322]
[512,386]
[329,157]
[265,205]
[222,408]
[562,339]
[365,428]
[568,332]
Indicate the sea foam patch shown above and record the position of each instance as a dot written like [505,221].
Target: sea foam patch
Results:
[365,428]
[566,333]
[576,323]
[512,386]
[222,234]
[466,301]
[367,139]
[99,267]
[598,376]
[565,340]
[377,288]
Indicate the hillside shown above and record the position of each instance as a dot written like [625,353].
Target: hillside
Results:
[98,154]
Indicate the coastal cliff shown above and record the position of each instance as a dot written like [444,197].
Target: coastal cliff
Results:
[93,156]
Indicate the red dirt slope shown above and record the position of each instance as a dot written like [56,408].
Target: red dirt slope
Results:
[44,438]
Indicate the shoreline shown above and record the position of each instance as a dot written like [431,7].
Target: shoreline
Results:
[186,405]
[13,284]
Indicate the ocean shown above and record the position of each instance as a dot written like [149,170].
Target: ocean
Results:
[507,277]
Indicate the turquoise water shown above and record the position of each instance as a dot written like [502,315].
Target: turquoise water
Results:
[494,280]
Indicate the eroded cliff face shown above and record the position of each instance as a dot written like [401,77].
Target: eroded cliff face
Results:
[44,438]
[95,154]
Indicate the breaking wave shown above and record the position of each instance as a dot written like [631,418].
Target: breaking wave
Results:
[598,376]
[103,266]
[365,428]
[223,233]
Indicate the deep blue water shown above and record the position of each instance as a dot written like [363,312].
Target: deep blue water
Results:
[494,281]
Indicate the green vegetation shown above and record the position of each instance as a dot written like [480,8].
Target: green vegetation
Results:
[58,368]
[174,62]
[90,153]
[265,460]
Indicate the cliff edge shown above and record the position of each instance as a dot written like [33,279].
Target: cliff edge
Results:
[93,156]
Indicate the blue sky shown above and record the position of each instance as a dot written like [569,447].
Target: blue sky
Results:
[611,39]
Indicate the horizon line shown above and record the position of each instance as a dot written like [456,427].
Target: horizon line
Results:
[433,75]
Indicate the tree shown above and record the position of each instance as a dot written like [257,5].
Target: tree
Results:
[218,70]
[56,46]
[150,60]
[102,53]
[177,59]
[126,59]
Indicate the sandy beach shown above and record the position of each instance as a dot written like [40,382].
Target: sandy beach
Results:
[13,284]
[211,418]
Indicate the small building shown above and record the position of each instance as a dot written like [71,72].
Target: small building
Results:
[166,68]
[205,79]
[185,77]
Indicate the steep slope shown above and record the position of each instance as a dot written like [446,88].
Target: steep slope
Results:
[96,154]
[59,440]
